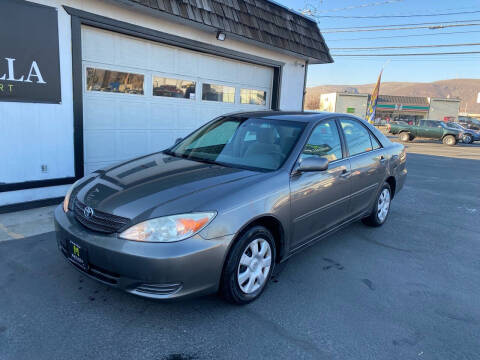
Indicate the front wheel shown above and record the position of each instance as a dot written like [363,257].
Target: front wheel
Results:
[249,266]
[381,210]
[449,140]
[404,136]
[467,139]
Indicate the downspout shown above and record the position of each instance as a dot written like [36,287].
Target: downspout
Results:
[304,85]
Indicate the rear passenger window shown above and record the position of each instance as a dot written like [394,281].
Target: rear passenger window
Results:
[324,142]
[357,136]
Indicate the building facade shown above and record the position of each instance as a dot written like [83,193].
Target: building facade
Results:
[390,107]
[88,83]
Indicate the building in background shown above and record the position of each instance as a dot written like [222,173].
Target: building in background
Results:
[347,103]
[390,107]
[85,84]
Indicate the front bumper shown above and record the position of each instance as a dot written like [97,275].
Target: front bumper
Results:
[155,270]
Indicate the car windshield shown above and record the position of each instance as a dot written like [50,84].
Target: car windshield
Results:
[251,143]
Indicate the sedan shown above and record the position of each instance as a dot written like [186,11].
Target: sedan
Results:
[221,208]
[469,136]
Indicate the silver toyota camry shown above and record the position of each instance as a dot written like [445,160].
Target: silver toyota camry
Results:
[219,209]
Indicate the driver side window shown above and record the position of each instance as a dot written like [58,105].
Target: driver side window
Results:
[324,142]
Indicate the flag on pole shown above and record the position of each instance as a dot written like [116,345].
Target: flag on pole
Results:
[372,105]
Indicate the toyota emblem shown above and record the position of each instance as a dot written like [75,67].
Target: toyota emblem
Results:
[88,212]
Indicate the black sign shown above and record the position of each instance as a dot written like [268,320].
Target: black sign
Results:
[29,59]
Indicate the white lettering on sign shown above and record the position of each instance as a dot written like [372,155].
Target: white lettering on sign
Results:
[34,72]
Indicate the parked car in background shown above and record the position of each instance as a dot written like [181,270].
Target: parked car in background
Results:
[469,135]
[430,129]
[219,209]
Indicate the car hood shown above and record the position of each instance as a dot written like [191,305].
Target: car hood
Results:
[135,188]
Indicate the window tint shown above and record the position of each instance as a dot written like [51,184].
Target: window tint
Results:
[173,88]
[254,97]
[220,135]
[324,142]
[114,81]
[357,136]
[218,93]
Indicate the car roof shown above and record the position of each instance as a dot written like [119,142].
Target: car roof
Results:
[302,116]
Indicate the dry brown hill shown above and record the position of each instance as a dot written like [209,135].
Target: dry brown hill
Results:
[465,89]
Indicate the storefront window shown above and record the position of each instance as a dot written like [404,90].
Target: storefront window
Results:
[114,81]
[218,93]
[253,97]
[173,88]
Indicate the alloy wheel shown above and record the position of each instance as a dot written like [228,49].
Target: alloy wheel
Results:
[254,266]
[383,205]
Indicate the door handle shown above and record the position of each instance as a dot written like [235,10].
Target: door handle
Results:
[345,173]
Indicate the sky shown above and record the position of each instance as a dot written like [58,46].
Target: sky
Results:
[362,70]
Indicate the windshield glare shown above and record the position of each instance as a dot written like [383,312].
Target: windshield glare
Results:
[242,142]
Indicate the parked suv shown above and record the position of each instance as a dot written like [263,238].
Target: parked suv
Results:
[430,129]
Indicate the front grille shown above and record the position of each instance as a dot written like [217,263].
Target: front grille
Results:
[99,221]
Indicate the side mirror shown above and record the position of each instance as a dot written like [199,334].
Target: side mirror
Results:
[178,140]
[313,164]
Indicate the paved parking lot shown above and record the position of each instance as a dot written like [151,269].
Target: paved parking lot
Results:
[408,290]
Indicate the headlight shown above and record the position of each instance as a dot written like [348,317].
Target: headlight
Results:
[168,228]
[69,193]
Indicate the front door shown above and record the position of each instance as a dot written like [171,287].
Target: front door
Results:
[434,129]
[368,165]
[320,199]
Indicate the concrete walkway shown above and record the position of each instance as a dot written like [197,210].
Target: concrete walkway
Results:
[21,224]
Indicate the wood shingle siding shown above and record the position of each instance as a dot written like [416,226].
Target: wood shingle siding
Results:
[259,20]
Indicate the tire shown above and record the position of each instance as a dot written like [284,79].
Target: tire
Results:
[468,139]
[256,275]
[404,136]
[379,216]
[449,140]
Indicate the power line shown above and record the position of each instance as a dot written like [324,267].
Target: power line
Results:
[405,47]
[394,25]
[377,3]
[404,36]
[395,16]
[436,27]
[412,54]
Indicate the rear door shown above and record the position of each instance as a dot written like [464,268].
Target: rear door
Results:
[320,199]
[368,164]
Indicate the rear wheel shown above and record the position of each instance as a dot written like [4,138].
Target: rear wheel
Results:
[249,266]
[467,139]
[381,210]
[404,136]
[449,140]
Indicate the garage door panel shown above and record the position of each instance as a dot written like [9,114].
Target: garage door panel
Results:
[131,144]
[120,126]
[163,116]
[98,114]
[98,45]
[162,59]
[186,63]
[132,115]
[100,145]
[160,140]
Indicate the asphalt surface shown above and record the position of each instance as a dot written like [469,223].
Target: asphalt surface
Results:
[408,290]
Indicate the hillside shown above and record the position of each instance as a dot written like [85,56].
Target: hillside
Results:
[465,89]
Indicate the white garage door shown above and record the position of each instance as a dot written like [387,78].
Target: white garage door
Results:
[139,96]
